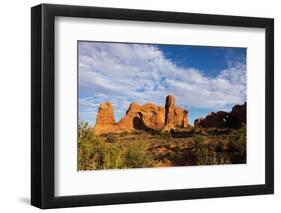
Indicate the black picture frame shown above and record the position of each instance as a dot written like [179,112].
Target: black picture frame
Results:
[43,102]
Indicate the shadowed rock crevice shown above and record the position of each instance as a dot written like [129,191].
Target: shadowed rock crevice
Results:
[138,123]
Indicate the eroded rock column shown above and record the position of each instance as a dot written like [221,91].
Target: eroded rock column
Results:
[105,121]
[169,112]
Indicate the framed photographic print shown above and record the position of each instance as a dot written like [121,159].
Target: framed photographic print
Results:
[140,106]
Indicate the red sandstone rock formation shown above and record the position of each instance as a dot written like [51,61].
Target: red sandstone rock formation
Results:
[181,118]
[174,116]
[239,113]
[233,119]
[170,112]
[105,119]
[199,122]
[142,117]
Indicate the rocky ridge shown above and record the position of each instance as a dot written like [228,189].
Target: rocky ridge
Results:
[142,117]
[221,119]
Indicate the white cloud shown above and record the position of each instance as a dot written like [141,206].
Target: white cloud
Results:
[124,73]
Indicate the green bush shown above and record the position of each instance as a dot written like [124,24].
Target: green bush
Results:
[124,134]
[164,135]
[87,146]
[198,131]
[111,138]
[94,153]
[231,150]
[111,156]
[84,131]
[242,142]
[204,153]
[137,156]
[139,132]
[239,145]
[201,151]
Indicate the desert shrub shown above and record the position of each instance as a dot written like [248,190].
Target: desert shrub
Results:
[87,146]
[137,155]
[205,153]
[164,135]
[139,132]
[153,131]
[239,146]
[199,140]
[93,153]
[124,134]
[189,132]
[171,155]
[222,158]
[209,154]
[242,142]
[217,131]
[111,138]
[201,151]
[84,131]
[96,153]
[128,155]
[110,156]
[162,155]
[211,130]
[198,131]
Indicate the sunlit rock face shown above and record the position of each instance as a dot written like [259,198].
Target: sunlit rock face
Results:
[105,118]
[142,117]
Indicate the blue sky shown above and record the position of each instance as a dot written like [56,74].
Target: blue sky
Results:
[202,79]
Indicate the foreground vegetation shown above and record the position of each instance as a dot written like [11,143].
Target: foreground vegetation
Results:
[99,153]
[141,149]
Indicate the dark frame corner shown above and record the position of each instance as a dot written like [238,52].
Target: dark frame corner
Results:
[42,105]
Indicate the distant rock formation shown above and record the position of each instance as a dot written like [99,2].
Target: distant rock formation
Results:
[142,117]
[174,116]
[221,119]
[181,117]
[105,118]
[239,113]
[170,112]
